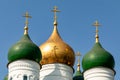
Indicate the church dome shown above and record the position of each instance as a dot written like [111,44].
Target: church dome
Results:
[55,50]
[78,75]
[24,49]
[97,57]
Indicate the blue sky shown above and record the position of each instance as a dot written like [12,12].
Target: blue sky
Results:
[74,24]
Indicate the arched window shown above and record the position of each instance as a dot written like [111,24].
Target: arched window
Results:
[24,77]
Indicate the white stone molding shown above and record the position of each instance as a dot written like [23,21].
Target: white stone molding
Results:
[56,71]
[99,73]
[20,68]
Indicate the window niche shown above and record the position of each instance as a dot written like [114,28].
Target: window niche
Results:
[25,77]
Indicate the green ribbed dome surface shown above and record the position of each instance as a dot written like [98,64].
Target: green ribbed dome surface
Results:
[98,56]
[24,49]
[78,76]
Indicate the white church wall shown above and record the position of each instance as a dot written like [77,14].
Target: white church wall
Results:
[23,70]
[56,72]
[99,73]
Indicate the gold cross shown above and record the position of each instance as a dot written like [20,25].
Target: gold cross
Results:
[27,16]
[54,49]
[96,24]
[78,54]
[55,10]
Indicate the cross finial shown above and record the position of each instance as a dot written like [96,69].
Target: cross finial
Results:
[96,24]
[78,54]
[26,22]
[55,10]
[27,16]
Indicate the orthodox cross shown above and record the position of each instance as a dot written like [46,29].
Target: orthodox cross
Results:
[55,10]
[54,49]
[26,22]
[96,24]
[27,16]
[78,54]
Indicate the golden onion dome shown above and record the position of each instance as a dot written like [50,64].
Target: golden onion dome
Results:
[55,50]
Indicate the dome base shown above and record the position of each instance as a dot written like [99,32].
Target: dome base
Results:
[56,72]
[99,73]
[23,69]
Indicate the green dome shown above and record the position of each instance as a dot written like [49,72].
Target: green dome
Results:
[24,49]
[78,76]
[6,77]
[98,57]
